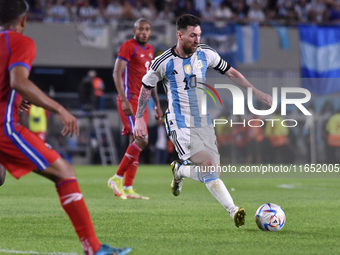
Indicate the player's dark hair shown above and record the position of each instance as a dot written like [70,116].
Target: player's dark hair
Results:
[186,20]
[11,10]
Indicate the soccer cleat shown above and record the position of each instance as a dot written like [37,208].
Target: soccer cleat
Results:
[177,182]
[131,194]
[117,186]
[238,214]
[108,250]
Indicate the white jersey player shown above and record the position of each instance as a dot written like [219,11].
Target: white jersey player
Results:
[182,68]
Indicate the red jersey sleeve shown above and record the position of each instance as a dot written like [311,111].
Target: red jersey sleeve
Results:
[22,52]
[127,50]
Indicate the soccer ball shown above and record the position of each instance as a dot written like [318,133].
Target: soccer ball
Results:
[270,217]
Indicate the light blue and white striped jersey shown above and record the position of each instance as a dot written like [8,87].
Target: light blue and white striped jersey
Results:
[180,79]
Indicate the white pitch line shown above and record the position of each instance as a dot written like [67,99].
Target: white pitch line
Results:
[36,252]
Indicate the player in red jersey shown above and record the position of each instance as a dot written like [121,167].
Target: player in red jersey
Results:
[22,152]
[133,62]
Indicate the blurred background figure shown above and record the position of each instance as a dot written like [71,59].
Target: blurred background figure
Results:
[58,12]
[86,92]
[333,138]
[88,13]
[278,138]
[36,12]
[224,138]
[255,140]
[240,136]
[38,121]
[99,87]
[113,10]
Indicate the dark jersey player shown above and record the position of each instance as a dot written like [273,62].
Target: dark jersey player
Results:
[22,152]
[133,62]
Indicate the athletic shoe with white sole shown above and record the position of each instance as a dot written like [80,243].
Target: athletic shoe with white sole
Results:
[177,182]
[117,186]
[238,214]
[108,250]
[132,194]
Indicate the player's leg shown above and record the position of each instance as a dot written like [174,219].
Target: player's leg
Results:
[2,175]
[128,167]
[204,158]
[116,181]
[129,164]
[72,201]
[182,167]
[130,173]
[137,146]
[22,151]
[210,175]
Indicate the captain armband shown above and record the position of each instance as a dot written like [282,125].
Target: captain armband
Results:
[222,67]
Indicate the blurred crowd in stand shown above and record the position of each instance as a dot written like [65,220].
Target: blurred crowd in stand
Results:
[290,12]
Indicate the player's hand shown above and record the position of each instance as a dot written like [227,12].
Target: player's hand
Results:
[159,113]
[24,106]
[127,108]
[263,97]
[69,121]
[140,128]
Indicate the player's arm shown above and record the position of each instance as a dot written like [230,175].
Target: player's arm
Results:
[241,81]
[149,82]
[117,77]
[143,100]
[29,91]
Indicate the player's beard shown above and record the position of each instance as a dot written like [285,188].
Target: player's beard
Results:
[141,41]
[188,50]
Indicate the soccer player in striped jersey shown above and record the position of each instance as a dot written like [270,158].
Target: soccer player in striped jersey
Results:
[133,61]
[22,152]
[190,130]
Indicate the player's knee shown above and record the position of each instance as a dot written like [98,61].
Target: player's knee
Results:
[61,170]
[208,161]
[145,141]
[67,171]
[142,142]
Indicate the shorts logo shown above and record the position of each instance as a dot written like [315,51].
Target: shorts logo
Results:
[188,69]
[188,146]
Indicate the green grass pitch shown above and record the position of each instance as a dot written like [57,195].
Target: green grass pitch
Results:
[31,219]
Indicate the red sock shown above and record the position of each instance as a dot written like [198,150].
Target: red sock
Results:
[131,154]
[131,173]
[74,205]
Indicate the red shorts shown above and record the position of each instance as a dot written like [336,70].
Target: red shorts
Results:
[21,151]
[129,121]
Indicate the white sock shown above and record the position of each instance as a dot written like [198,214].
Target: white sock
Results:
[217,188]
[119,177]
[189,171]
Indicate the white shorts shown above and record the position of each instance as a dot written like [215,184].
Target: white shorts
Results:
[189,141]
